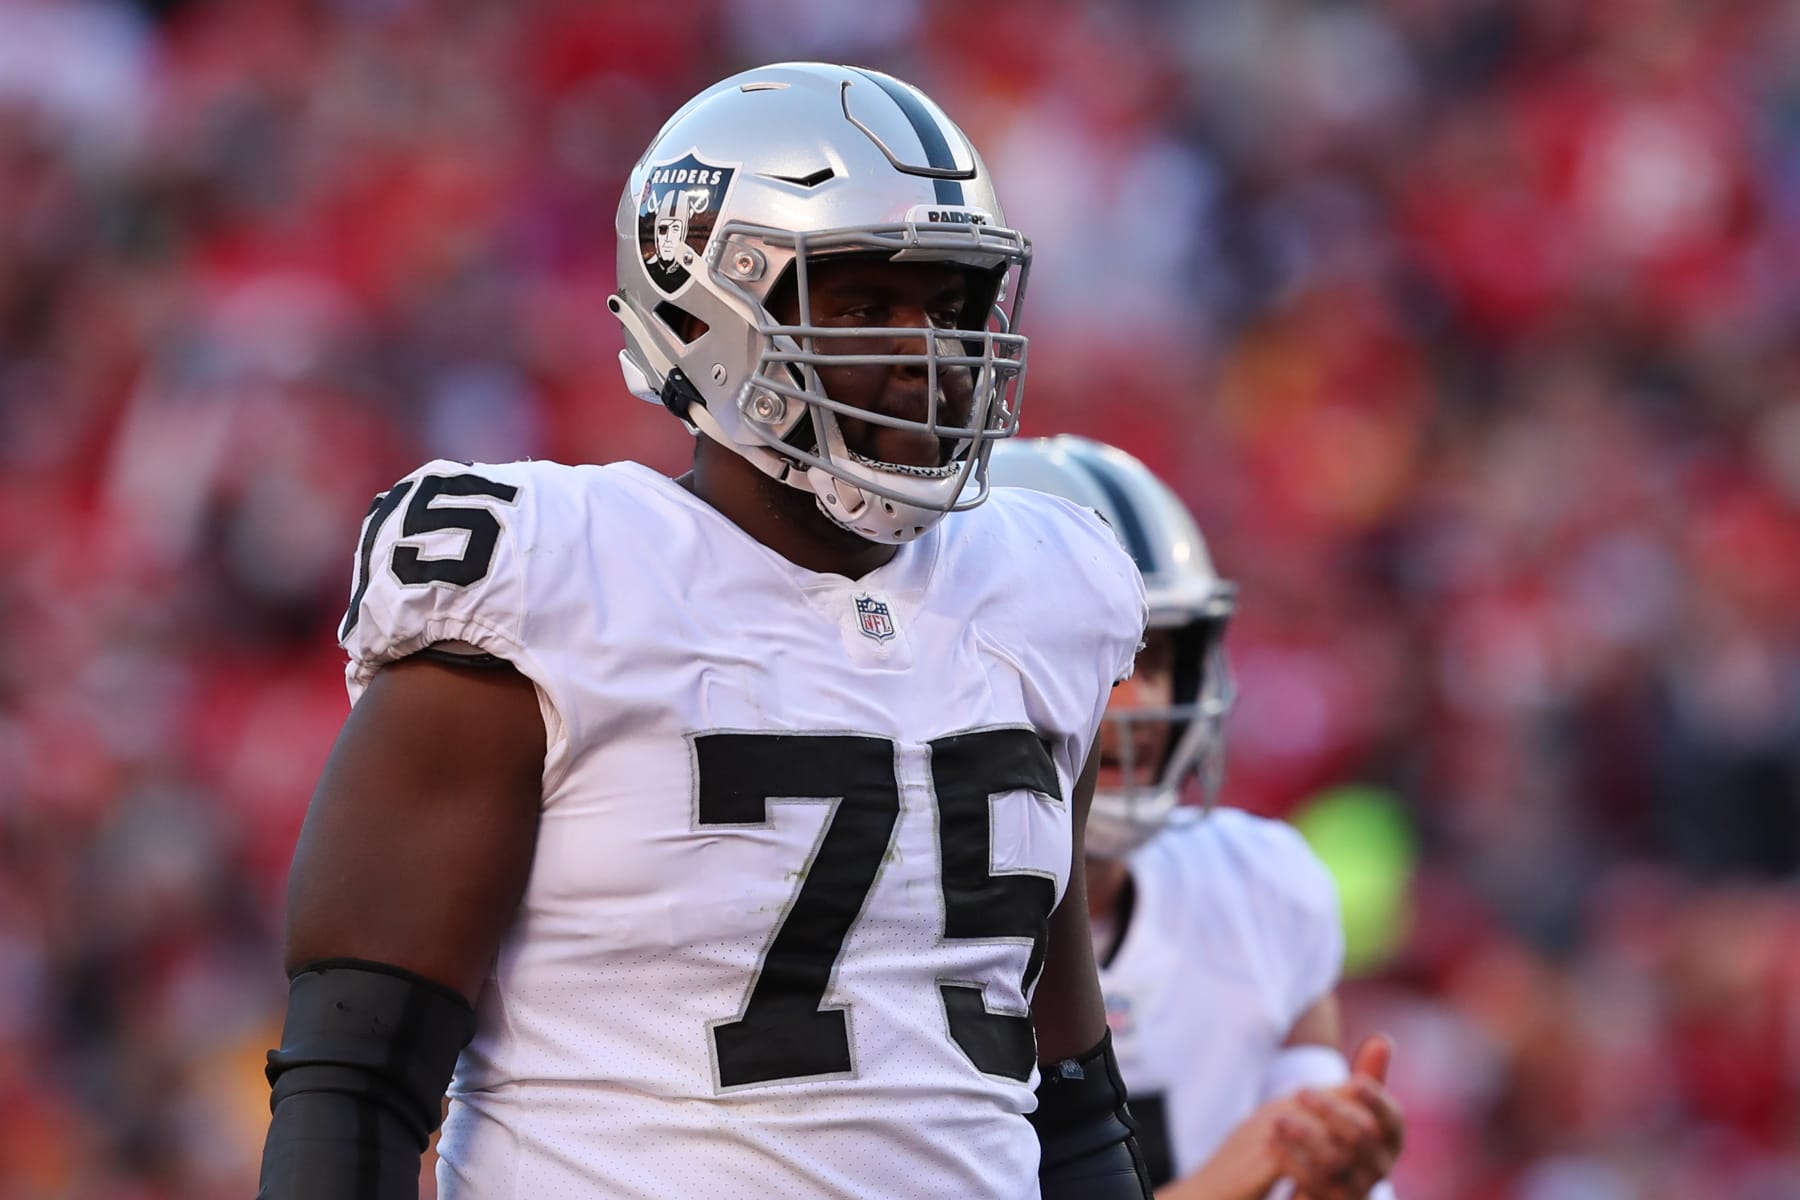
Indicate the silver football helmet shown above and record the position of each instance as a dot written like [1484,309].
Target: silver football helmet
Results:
[748,182]
[1186,595]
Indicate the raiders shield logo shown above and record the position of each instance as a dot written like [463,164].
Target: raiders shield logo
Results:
[678,208]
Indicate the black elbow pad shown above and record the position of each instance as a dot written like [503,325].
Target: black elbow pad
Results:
[1086,1136]
[358,1083]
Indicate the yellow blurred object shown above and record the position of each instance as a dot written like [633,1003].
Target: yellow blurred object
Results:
[1365,839]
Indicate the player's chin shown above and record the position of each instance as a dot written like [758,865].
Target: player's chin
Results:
[901,447]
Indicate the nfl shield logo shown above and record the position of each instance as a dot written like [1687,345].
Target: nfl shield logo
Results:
[877,622]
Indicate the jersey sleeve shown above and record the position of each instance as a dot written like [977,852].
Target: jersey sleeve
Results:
[1119,609]
[1294,904]
[440,561]
[1074,612]
[1122,598]
[1284,896]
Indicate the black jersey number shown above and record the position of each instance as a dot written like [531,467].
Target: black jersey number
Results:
[967,769]
[425,516]
[783,1032]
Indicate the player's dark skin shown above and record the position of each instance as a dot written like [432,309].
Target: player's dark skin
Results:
[419,839]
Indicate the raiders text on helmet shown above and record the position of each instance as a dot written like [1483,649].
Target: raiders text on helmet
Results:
[746,184]
[1186,596]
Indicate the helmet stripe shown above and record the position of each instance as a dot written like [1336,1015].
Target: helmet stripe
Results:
[1131,526]
[932,141]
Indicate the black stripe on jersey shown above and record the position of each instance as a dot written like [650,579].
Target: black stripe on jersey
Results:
[932,141]
[1131,528]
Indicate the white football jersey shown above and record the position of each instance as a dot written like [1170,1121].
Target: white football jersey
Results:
[1234,933]
[801,833]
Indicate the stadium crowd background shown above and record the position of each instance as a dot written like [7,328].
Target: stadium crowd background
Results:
[1470,328]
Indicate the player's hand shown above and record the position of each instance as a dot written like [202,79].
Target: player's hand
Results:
[1345,1139]
[1246,1164]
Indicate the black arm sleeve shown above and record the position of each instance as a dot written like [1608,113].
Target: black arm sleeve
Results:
[1086,1135]
[358,1084]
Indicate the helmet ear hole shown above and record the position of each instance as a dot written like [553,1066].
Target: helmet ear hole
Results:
[782,300]
[682,323]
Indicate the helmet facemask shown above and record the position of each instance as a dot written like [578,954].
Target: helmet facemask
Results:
[1128,813]
[972,371]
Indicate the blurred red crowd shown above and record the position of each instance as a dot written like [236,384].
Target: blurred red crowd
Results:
[1470,328]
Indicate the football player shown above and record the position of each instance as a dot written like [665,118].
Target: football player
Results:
[1218,932]
[721,836]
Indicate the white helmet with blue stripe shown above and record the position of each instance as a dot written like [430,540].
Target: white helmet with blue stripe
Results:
[1186,596]
[748,182]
